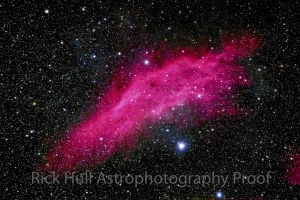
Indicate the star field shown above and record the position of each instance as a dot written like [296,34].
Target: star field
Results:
[76,79]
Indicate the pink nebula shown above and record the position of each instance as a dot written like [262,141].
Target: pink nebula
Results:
[293,171]
[183,86]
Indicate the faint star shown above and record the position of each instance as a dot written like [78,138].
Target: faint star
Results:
[93,56]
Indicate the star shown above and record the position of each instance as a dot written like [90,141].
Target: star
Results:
[219,194]
[93,56]
[181,146]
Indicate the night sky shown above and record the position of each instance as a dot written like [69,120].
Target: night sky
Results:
[222,81]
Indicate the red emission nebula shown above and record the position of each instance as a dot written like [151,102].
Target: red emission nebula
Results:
[186,87]
[293,171]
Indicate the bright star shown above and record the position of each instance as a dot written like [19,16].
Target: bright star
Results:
[181,145]
[219,194]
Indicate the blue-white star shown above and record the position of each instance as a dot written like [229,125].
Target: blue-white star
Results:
[219,194]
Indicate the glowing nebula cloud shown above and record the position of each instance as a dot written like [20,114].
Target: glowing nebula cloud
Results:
[293,171]
[183,86]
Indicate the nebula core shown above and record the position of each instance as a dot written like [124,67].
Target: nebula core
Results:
[184,87]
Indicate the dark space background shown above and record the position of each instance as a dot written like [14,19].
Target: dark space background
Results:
[57,58]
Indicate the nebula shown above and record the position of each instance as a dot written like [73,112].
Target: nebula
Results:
[293,170]
[183,86]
